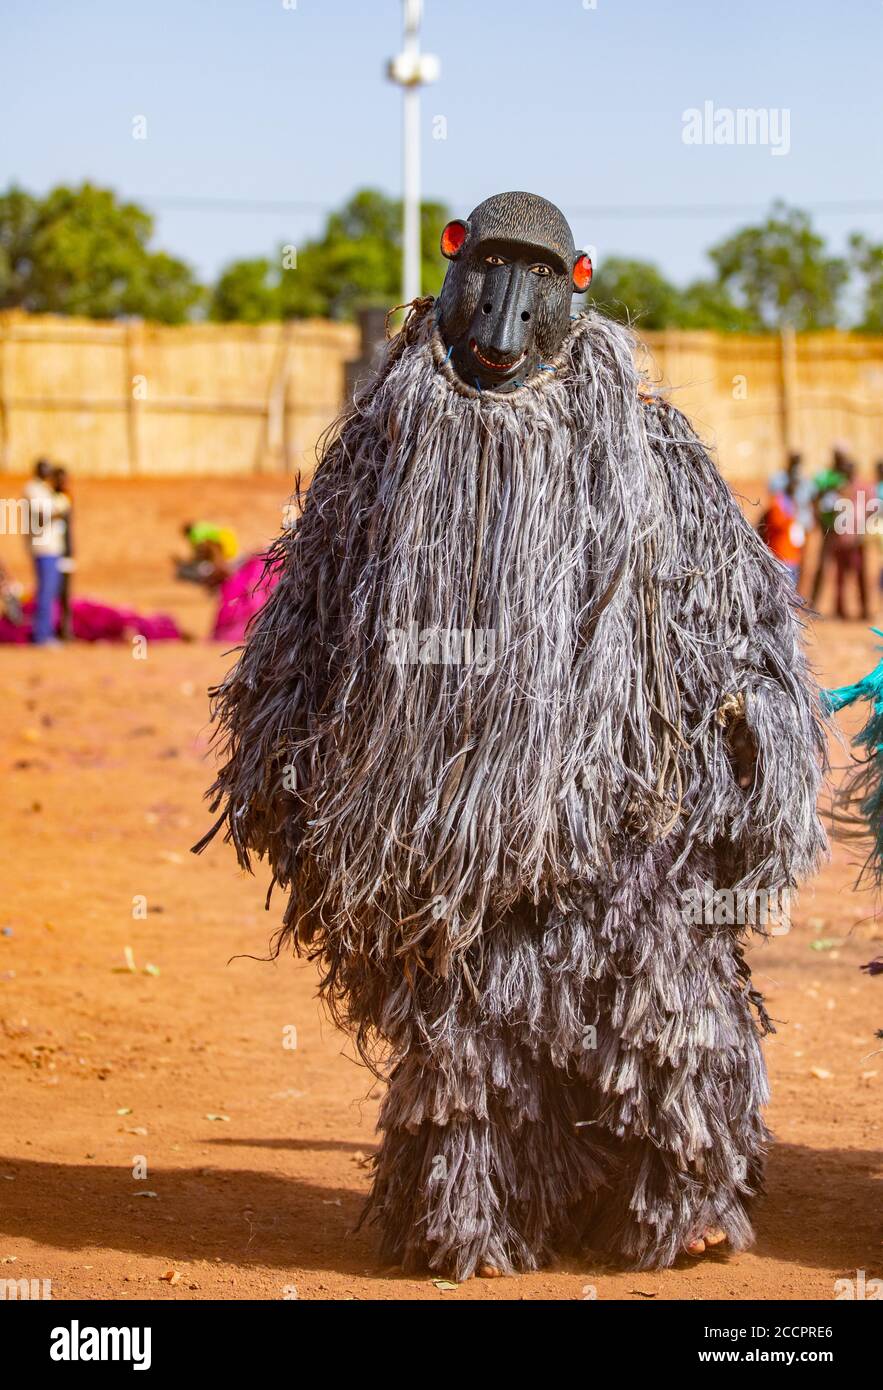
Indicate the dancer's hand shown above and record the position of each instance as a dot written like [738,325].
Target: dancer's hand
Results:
[743,753]
[741,744]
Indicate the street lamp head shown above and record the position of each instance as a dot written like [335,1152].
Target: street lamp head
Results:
[413,69]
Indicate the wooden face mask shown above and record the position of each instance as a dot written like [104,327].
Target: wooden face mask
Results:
[504,308]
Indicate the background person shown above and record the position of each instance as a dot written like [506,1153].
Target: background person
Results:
[213,551]
[848,539]
[66,563]
[46,542]
[242,584]
[826,487]
[782,526]
[875,524]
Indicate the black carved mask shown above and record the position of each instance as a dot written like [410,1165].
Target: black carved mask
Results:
[504,309]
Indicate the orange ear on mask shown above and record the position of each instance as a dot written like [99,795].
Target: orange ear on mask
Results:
[582,272]
[453,239]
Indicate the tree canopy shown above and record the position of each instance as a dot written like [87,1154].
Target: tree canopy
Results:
[781,273]
[866,261]
[82,250]
[776,274]
[356,263]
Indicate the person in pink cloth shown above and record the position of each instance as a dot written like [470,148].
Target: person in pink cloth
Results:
[240,596]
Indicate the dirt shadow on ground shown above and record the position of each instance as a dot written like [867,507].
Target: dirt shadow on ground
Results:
[822,1210]
[244,1217]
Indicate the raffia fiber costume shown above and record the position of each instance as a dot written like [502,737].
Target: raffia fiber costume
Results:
[490,865]
[858,804]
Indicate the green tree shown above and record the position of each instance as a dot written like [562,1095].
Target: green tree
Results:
[867,260]
[354,264]
[707,304]
[247,291]
[18,220]
[81,251]
[781,273]
[636,292]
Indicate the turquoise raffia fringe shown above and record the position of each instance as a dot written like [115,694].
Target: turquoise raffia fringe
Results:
[860,800]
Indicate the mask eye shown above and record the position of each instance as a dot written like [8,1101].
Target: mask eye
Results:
[495,260]
[540,269]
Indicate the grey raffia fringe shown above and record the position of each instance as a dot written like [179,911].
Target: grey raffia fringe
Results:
[488,864]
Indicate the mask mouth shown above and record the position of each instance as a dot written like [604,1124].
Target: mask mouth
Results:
[491,365]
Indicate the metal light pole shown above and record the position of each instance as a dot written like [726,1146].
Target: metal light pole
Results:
[412,70]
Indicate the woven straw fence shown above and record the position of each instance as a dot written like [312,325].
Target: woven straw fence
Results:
[134,399]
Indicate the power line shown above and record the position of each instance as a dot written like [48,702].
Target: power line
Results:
[636,211]
[270,205]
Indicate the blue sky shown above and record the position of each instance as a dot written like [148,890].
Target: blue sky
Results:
[249,100]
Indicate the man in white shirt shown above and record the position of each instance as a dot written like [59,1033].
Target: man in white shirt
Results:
[46,542]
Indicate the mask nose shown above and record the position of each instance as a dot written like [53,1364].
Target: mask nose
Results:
[503,324]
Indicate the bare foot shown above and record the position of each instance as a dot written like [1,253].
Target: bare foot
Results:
[489,1272]
[711,1237]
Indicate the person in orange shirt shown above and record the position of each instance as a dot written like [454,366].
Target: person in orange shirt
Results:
[782,528]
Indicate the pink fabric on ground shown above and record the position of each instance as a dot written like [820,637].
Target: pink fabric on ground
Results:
[13,632]
[99,622]
[241,596]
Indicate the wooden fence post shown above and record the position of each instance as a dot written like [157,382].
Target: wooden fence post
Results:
[135,393]
[788,362]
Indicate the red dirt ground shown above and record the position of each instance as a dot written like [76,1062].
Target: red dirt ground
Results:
[255,1152]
